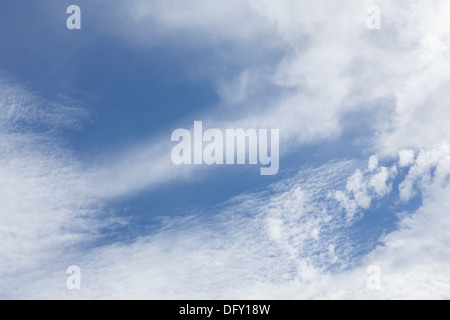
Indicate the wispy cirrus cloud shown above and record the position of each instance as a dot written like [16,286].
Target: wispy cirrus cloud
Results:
[289,241]
[45,210]
[322,65]
[292,240]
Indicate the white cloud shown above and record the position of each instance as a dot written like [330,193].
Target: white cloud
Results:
[300,67]
[44,208]
[356,195]
[373,163]
[329,65]
[330,62]
[280,243]
[276,236]
[406,158]
[379,182]
[289,242]
[414,260]
[420,172]
[364,186]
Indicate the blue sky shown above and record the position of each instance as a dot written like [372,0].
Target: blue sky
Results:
[87,178]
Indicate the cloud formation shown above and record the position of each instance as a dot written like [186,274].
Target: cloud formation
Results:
[289,241]
[300,67]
